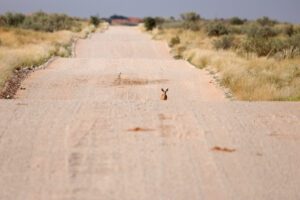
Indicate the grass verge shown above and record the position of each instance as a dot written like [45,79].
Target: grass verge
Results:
[20,48]
[249,77]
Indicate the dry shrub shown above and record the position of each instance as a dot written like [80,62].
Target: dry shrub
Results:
[174,41]
[226,42]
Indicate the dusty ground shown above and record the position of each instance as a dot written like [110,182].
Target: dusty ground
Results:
[81,130]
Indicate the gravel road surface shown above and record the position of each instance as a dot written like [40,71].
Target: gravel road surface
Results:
[93,127]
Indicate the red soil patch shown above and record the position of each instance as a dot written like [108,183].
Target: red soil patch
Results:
[162,117]
[129,21]
[216,148]
[138,129]
[274,134]
[21,104]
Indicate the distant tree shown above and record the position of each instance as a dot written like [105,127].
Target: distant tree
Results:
[94,19]
[236,21]
[190,17]
[118,17]
[149,23]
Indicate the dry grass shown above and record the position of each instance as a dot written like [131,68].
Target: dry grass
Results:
[249,78]
[21,48]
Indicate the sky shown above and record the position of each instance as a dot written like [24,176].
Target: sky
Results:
[282,10]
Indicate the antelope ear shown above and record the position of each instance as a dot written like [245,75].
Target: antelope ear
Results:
[162,89]
[167,89]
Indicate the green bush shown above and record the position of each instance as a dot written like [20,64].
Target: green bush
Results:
[94,19]
[41,21]
[258,45]
[296,30]
[266,21]
[226,42]
[194,26]
[288,30]
[236,21]
[289,47]
[175,40]
[159,20]
[267,32]
[255,30]
[149,23]
[12,19]
[234,30]
[294,41]
[250,29]
[216,29]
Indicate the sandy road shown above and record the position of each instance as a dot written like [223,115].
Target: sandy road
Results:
[82,132]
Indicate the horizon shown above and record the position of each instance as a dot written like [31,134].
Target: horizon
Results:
[282,11]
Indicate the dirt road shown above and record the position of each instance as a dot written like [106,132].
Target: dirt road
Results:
[83,131]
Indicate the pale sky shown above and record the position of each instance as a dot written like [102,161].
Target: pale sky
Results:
[282,10]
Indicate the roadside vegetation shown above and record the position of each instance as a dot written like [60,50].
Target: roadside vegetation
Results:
[95,20]
[257,60]
[32,39]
